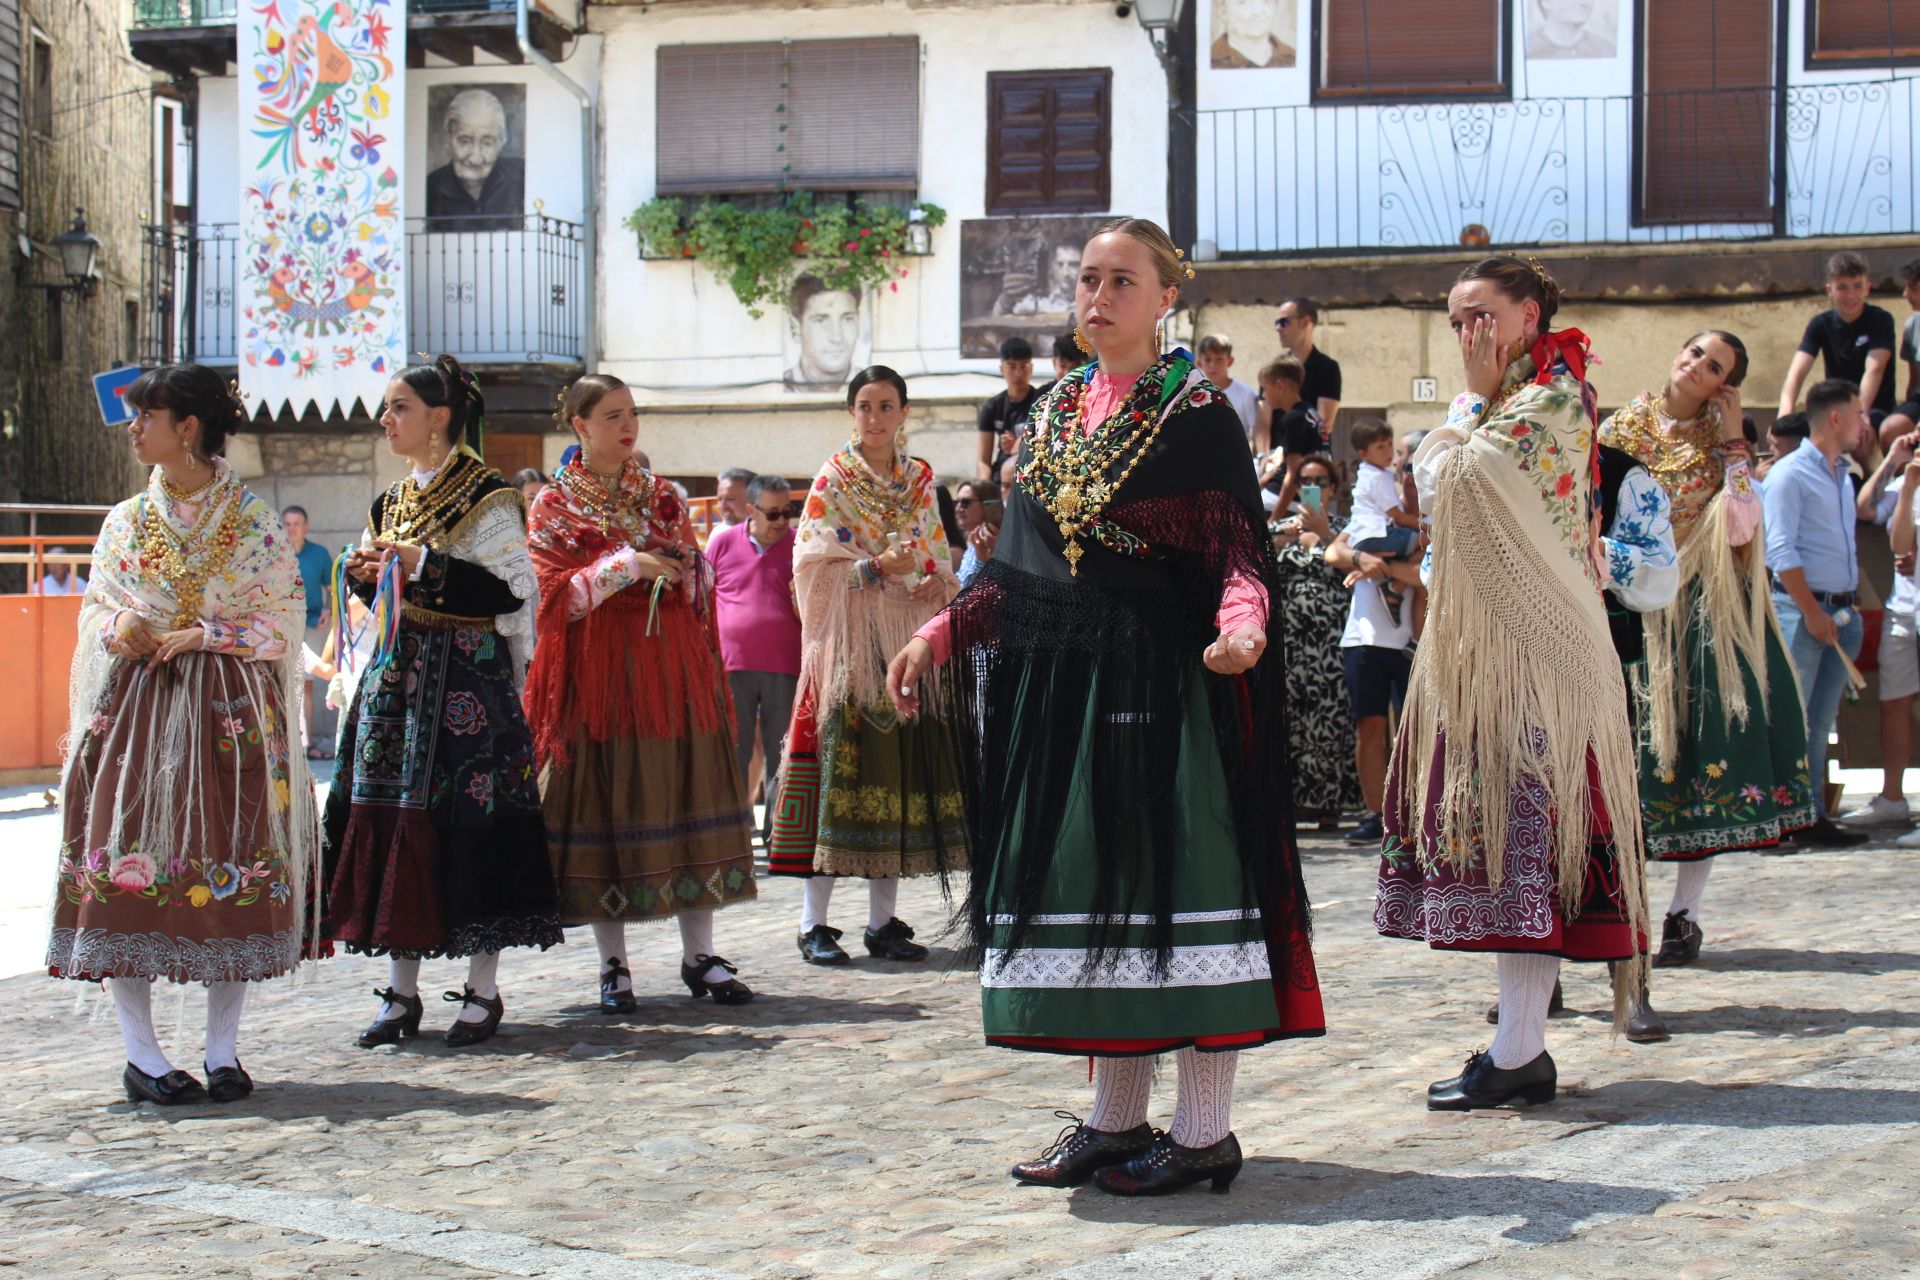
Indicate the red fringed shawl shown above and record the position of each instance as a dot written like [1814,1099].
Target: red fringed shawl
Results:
[633,666]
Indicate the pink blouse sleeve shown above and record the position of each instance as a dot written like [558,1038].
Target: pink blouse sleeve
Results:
[938,633]
[1743,504]
[1242,604]
[593,586]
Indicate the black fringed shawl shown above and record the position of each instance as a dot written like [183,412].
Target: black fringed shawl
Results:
[1125,637]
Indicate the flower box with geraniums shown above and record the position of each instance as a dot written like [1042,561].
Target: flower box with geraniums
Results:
[758,252]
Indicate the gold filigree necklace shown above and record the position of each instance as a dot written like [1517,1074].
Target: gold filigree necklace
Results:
[1067,470]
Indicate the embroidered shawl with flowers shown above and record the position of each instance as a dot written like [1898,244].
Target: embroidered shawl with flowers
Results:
[850,628]
[618,657]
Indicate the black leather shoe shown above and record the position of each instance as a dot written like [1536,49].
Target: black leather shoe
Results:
[174,1089]
[1644,1023]
[389,1030]
[732,991]
[466,1033]
[893,942]
[1680,940]
[612,998]
[1484,1085]
[1167,1167]
[1821,835]
[1555,1006]
[1372,830]
[1079,1152]
[228,1084]
[821,945]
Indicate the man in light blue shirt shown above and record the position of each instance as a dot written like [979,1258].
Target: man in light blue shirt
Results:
[1809,506]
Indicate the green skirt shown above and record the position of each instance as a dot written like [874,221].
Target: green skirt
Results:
[1730,787]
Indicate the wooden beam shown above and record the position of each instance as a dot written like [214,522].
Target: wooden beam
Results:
[500,44]
[446,42]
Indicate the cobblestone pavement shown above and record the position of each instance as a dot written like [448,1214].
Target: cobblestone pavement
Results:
[850,1123]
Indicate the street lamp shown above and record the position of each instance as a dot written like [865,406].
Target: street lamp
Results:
[79,257]
[1159,18]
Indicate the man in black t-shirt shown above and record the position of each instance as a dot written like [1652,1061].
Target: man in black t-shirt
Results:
[1296,324]
[1008,410]
[1854,340]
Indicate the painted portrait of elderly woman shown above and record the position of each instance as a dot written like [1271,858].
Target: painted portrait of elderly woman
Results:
[1572,28]
[476,148]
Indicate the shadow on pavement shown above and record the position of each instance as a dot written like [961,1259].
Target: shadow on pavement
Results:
[370,1100]
[768,1009]
[1780,958]
[1776,1020]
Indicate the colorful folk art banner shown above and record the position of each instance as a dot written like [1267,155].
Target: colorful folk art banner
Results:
[322,295]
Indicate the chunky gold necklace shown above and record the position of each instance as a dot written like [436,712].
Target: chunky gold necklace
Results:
[172,491]
[1068,467]
[890,503]
[189,561]
[421,514]
[615,510]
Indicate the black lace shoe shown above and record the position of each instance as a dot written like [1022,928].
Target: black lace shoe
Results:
[228,1084]
[612,998]
[892,941]
[1484,1085]
[466,1033]
[174,1089]
[1555,1006]
[389,1030]
[821,945]
[1371,830]
[732,991]
[1167,1167]
[1680,940]
[1079,1152]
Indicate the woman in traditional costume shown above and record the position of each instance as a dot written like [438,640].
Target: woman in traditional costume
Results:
[1513,819]
[435,841]
[628,704]
[189,843]
[1135,889]
[863,792]
[1725,765]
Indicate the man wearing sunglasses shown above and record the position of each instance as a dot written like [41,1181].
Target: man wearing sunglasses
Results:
[1295,326]
[759,628]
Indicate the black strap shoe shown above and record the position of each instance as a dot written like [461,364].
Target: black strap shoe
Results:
[893,942]
[1167,1167]
[1644,1023]
[1484,1085]
[1556,1006]
[821,945]
[612,998]
[732,991]
[466,1033]
[1079,1152]
[228,1084]
[1680,940]
[174,1089]
[385,1030]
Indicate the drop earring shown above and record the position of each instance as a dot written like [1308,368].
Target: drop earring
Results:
[1080,340]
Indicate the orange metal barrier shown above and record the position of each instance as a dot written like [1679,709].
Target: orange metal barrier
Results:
[37,636]
[705,514]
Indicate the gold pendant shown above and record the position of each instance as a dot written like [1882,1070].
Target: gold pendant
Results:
[1073,554]
[1067,500]
[1098,493]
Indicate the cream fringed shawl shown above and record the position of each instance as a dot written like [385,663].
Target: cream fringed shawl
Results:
[849,633]
[1516,675]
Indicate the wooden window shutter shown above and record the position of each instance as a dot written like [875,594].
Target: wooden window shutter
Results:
[717,118]
[1866,29]
[855,108]
[1397,48]
[1049,141]
[1707,112]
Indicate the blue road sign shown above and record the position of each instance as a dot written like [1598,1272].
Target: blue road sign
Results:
[109,388]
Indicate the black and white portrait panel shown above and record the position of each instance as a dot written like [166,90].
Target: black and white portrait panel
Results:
[1573,28]
[1252,33]
[827,335]
[1017,277]
[476,155]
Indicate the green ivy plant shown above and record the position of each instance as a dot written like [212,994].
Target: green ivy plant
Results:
[758,252]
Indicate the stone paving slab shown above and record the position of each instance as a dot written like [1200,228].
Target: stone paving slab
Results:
[850,1123]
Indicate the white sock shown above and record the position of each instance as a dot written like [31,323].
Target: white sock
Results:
[403,976]
[133,1001]
[818,894]
[696,940]
[225,1000]
[883,896]
[1122,1087]
[481,970]
[1203,1100]
[1526,988]
[611,937]
[1689,887]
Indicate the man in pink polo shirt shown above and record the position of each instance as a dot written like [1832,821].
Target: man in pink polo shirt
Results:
[759,627]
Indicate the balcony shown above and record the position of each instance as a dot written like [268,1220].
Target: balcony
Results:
[196,37]
[1803,160]
[512,297]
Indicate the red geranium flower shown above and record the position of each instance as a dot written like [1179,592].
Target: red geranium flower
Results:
[1563,486]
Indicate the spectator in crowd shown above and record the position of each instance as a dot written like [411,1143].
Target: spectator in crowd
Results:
[1009,473]
[1067,356]
[1007,411]
[1296,324]
[1906,415]
[759,627]
[1901,538]
[1288,432]
[1899,664]
[1783,437]
[316,575]
[979,510]
[1809,512]
[1382,524]
[60,578]
[1216,361]
[1854,340]
[529,481]
[730,495]
[1374,652]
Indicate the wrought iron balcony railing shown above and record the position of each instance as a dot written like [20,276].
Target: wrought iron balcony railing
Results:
[486,293]
[1803,160]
